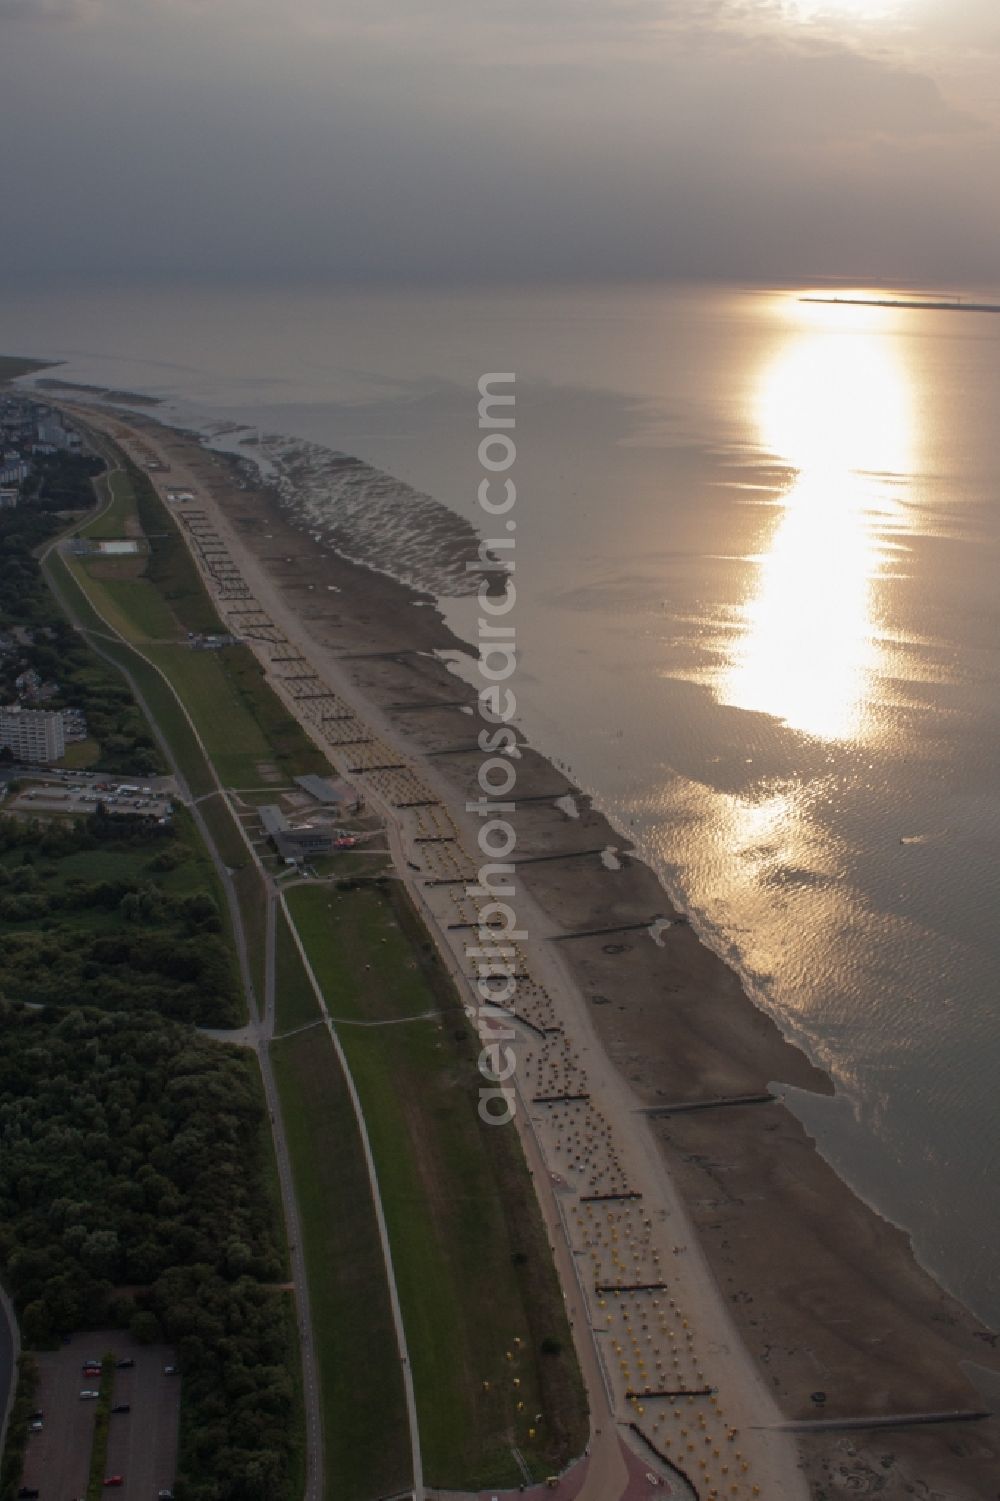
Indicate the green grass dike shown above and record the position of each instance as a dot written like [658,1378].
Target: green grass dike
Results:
[491,1351]
[365,1435]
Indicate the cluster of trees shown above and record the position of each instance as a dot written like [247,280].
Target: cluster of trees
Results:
[22,590]
[58,482]
[21,1409]
[119,944]
[62,481]
[134,1186]
[132,1157]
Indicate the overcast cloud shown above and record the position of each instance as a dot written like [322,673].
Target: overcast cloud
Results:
[520,139]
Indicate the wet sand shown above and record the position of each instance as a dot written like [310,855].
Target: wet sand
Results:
[826,1295]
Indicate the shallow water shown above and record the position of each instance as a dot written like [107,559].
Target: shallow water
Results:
[758,544]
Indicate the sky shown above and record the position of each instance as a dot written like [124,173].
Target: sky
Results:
[501,140]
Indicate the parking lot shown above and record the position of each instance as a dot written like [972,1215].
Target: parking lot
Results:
[77,794]
[57,1461]
[142,1445]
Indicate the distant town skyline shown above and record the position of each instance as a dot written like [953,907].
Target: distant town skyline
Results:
[454,140]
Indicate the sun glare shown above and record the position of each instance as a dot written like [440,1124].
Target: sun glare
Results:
[834,407]
[862,10]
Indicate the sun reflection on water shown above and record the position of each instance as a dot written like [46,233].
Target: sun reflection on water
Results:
[836,407]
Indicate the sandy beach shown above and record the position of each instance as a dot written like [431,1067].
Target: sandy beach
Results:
[712,1248]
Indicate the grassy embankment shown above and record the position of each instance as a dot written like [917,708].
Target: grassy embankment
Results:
[295,1000]
[367,1450]
[153,600]
[365,1430]
[480,1299]
[472,1259]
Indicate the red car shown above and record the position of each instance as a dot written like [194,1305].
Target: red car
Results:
[114,1480]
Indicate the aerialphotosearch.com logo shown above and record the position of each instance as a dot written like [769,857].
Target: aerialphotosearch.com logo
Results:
[494,955]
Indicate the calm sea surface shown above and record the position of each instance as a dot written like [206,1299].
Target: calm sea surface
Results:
[758,560]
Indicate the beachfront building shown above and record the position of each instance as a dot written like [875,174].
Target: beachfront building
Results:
[291,842]
[335,792]
[32,734]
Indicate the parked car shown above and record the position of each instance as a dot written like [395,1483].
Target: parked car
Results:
[124,1365]
[36,1417]
[171,1370]
[114,1480]
[89,1396]
[164,1496]
[37,1426]
[27,1493]
[122,1407]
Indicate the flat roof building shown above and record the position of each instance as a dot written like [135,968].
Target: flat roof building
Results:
[335,792]
[294,843]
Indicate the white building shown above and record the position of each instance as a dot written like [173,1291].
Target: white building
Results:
[32,734]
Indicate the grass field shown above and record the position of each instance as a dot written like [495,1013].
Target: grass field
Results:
[222,825]
[132,606]
[270,1173]
[297,1466]
[171,568]
[252,898]
[475,1278]
[113,522]
[234,740]
[81,755]
[364,1415]
[159,698]
[295,999]
[248,733]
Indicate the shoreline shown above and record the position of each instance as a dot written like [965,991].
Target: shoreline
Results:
[852,1314]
